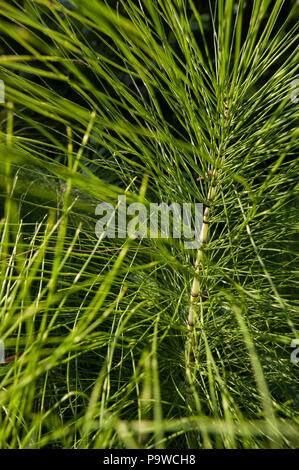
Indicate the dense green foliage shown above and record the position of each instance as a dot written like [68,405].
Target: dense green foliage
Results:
[147,98]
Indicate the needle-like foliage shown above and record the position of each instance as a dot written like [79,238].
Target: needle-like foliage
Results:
[140,342]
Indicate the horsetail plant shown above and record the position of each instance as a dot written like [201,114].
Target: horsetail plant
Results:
[113,342]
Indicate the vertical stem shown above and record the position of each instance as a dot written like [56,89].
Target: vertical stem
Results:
[191,395]
[198,264]
[4,242]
